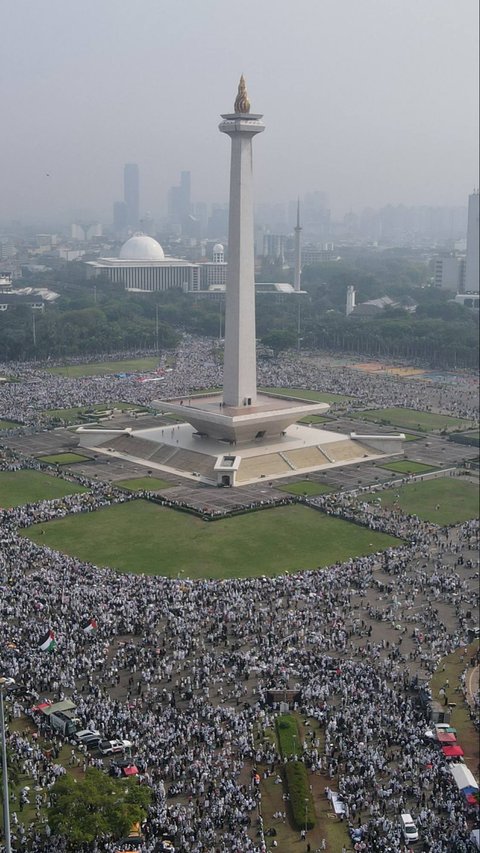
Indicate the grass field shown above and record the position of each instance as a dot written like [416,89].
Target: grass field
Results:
[9,424]
[100,368]
[144,537]
[316,396]
[21,487]
[305,487]
[406,466]
[314,419]
[411,419]
[444,500]
[62,458]
[138,484]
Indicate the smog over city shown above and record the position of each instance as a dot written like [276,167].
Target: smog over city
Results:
[372,102]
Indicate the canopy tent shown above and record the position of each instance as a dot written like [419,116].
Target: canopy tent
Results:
[41,706]
[446,737]
[452,751]
[464,779]
[58,707]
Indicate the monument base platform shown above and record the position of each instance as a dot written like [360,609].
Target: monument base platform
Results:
[267,417]
[178,449]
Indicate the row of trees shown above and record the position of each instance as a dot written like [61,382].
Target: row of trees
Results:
[98,317]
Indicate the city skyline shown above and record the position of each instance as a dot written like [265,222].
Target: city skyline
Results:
[376,102]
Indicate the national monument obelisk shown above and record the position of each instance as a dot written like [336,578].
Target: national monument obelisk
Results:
[240,436]
[239,372]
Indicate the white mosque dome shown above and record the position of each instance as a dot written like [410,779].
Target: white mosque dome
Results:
[218,249]
[141,248]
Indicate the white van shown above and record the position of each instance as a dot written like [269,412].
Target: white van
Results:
[410,831]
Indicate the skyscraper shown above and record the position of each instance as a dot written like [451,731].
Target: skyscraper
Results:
[131,194]
[471,264]
[179,204]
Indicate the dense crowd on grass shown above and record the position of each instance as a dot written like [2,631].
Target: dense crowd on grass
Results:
[184,669]
[196,367]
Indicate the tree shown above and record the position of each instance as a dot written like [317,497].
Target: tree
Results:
[96,806]
[279,340]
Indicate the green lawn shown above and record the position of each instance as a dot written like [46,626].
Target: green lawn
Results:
[316,396]
[305,487]
[288,735]
[406,466]
[9,424]
[138,484]
[100,368]
[63,458]
[411,419]
[143,537]
[444,500]
[21,487]
[314,419]
[411,437]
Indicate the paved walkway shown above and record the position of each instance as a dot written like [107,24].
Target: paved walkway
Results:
[473,685]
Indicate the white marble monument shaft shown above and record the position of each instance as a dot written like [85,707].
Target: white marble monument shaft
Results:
[240,378]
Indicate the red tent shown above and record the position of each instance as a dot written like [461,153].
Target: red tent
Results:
[41,706]
[452,751]
[446,737]
[131,770]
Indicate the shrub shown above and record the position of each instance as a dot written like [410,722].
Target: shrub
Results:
[301,800]
[288,735]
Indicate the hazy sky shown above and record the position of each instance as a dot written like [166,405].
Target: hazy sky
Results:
[373,101]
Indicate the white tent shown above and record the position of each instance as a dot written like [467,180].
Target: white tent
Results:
[464,778]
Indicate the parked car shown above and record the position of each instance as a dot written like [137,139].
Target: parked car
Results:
[108,747]
[87,734]
[92,741]
[410,831]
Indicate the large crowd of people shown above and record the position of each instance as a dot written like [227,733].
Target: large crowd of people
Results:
[196,367]
[190,671]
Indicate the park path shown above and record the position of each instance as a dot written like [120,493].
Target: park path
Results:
[473,685]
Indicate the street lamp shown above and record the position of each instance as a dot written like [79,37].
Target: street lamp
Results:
[306,810]
[4,683]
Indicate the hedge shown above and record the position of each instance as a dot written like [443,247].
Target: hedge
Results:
[288,735]
[297,785]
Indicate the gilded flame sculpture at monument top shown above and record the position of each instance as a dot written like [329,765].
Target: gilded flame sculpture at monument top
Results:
[242,104]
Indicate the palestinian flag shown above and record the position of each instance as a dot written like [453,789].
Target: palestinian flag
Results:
[47,642]
[89,626]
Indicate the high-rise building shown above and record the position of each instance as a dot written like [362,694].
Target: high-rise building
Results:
[120,219]
[274,247]
[179,204]
[131,194]
[471,264]
[449,272]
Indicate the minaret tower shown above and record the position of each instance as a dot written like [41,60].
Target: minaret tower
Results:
[240,377]
[298,252]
